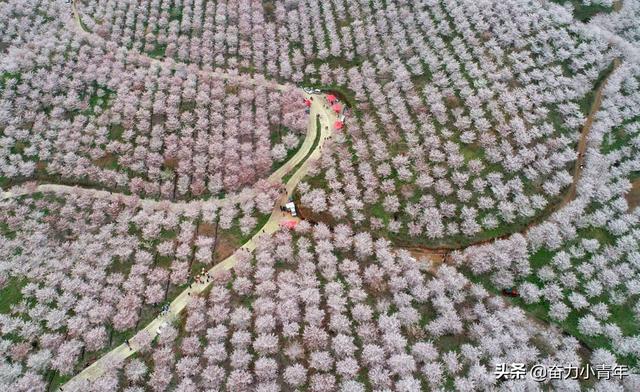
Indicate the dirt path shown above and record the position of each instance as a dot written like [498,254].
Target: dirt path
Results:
[431,259]
[570,195]
[246,194]
[276,177]
[617,5]
[327,117]
[633,196]
[435,254]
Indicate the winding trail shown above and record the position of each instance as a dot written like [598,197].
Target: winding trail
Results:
[439,254]
[319,109]
[239,197]
[571,193]
[244,195]
[327,117]
[247,193]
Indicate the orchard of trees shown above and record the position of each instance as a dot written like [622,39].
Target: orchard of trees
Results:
[105,117]
[88,272]
[137,138]
[470,139]
[331,310]
[582,265]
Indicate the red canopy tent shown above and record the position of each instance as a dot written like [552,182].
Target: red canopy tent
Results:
[307,102]
[291,224]
[338,124]
[331,98]
[336,107]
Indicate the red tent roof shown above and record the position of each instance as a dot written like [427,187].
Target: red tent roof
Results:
[338,124]
[337,107]
[331,98]
[291,224]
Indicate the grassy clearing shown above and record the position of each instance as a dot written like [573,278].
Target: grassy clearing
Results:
[471,152]
[158,52]
[584,12]
[115,132]
[619,136]
[600,234]
[175,13]
[6,76]
[11,294]
[6,231]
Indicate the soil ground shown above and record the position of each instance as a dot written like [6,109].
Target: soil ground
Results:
[633,196]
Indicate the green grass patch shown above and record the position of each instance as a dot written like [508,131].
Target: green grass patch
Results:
[619,136]
[168,234]
[471,152]
[584,12]
[187,106]
[175,13]
[115,132]
[18,147]
[541,258]
[11,294]
[57,381]
[102,100]
[6,76]
[600,234]
[6,231]
[158,51]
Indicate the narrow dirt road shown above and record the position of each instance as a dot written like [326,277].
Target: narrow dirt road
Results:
[277,176]
[633,196]
[571,193]
[246,194]
[436,254]
[327,117]
[617,5]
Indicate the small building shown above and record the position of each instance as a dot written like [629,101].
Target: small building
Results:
[291,207]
